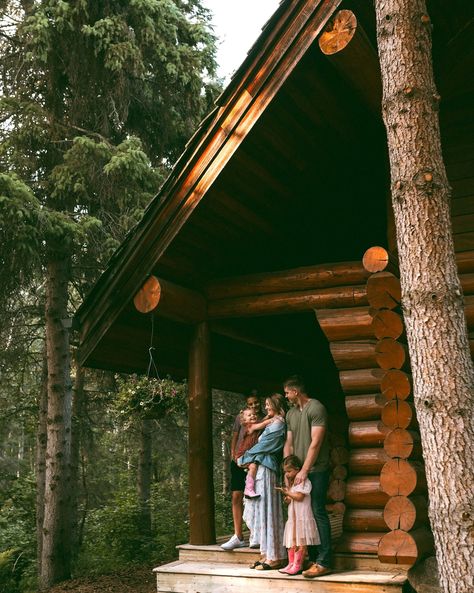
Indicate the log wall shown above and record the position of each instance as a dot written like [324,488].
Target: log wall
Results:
[385,491]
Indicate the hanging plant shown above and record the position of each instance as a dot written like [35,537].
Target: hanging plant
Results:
[149,397]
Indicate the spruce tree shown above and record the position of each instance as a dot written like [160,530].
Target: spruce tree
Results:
[98,99]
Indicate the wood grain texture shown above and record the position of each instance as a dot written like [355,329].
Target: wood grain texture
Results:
[400,547]
[402,512]
[367,462]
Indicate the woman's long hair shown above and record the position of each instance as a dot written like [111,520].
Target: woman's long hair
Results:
[278,403]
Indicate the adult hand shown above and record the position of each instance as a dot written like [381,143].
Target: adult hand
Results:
[300,476]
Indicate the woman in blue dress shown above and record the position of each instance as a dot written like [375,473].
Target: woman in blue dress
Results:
[264,514]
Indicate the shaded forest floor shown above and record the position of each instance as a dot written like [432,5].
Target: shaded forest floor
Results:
[132,580]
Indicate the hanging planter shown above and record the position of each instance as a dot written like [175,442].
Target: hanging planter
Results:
[149,397]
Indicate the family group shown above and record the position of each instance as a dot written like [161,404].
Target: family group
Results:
[282,457]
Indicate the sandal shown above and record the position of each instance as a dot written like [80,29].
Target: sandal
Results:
[266,566]
[255,564]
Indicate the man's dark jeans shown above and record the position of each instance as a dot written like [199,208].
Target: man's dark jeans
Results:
[320,554]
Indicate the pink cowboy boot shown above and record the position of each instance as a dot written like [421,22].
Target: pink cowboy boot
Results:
[297,566]
[291,559]
[249,491]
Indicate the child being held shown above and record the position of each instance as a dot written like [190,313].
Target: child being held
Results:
[300,529]
[252,458]
[248,419]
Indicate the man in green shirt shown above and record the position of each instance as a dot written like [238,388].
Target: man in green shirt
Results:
[307,438]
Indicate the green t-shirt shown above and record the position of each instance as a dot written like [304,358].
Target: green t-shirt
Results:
[300,422]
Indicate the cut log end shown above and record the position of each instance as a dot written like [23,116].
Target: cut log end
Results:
[148,297]
[375,259]
[339,472]
[390,354]
[400,547]
[401,478]
[398,414]
[338,32]
[383,291]
[395,385]
[402,443]
[404,513]
[336,491]
[387,324]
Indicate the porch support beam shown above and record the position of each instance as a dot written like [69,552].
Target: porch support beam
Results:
[201,485]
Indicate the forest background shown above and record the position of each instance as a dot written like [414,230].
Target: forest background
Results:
[97,102]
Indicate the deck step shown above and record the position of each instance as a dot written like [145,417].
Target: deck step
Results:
[245,556]
[226,577]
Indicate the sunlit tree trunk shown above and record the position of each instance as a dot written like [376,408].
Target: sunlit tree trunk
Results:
[56,548]
[432,298]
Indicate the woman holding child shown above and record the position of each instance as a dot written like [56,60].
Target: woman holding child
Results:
[263,512]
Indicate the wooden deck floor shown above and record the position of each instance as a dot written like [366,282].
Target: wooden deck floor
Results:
[209,569]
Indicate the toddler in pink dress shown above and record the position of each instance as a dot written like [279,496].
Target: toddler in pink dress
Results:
[300,529]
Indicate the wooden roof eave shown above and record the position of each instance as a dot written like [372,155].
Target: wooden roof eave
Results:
[266,69]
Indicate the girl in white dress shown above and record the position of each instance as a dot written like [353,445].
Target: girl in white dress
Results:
[300,529]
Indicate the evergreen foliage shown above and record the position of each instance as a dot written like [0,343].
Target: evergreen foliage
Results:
[97,101]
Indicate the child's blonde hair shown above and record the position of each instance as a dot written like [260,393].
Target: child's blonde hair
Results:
[292,461]
[242,412]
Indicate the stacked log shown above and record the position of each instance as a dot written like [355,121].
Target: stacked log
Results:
[402,476]
[384,460]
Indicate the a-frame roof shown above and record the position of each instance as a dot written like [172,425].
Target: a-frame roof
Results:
[294,138]
[284,40]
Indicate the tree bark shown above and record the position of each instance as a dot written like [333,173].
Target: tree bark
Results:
[432,299]
[56,548]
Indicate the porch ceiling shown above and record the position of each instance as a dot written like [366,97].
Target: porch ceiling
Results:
[312,170]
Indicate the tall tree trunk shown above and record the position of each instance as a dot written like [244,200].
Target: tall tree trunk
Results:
[76,444]
[41,440]
[56,552]
[144,475]
[432,298]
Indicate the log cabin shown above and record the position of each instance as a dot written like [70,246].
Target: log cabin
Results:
[270,250]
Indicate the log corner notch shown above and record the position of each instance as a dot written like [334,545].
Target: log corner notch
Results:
[401,478]
[170,300]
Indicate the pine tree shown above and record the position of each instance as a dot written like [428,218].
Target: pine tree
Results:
[98,99]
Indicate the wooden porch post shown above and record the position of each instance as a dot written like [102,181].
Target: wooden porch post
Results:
[201,483]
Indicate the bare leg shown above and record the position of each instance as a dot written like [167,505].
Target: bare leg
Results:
[237,511]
